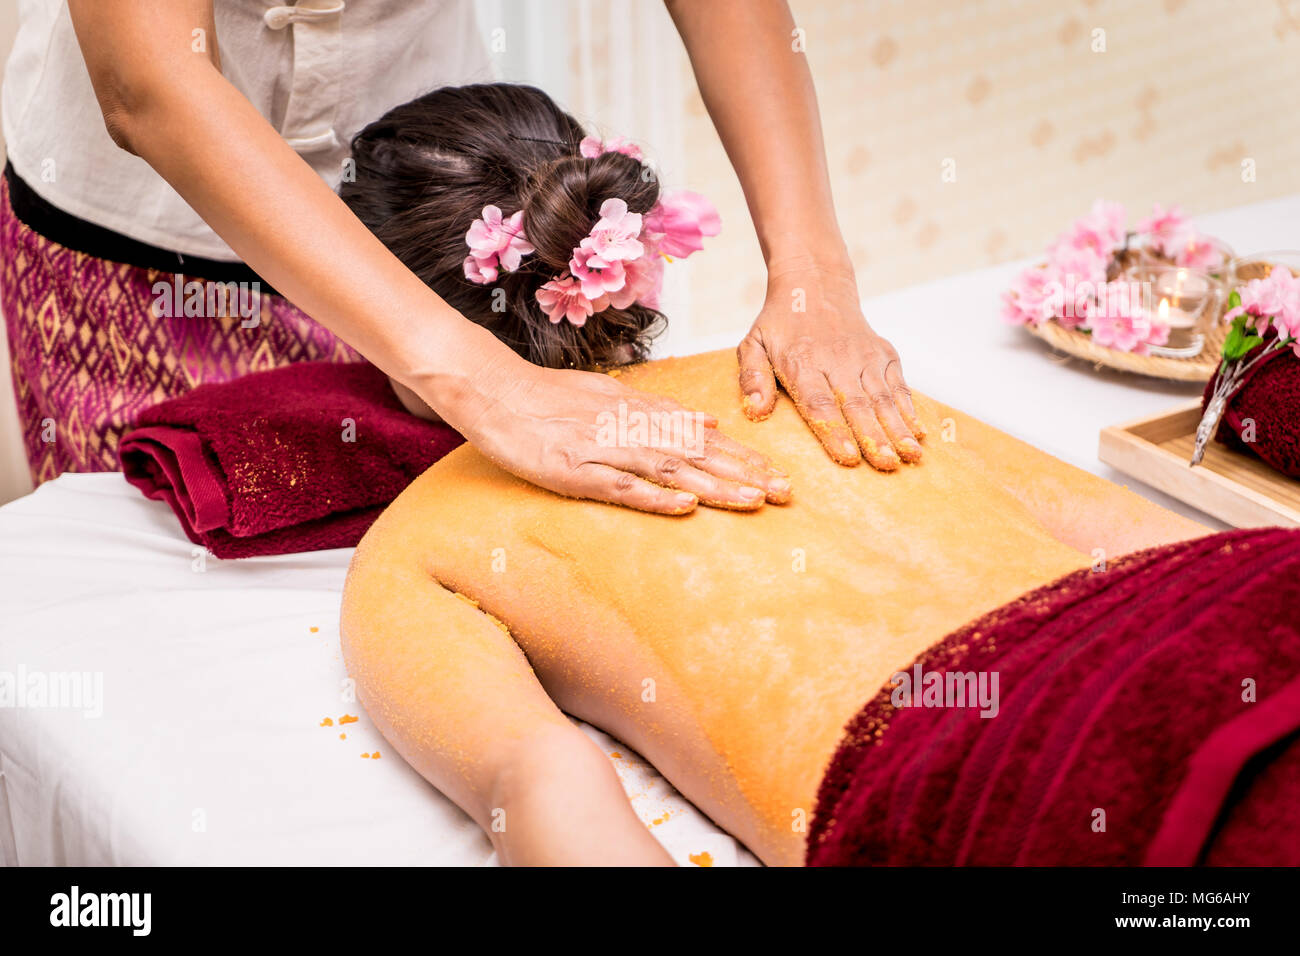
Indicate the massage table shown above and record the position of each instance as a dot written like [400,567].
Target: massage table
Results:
[218,677]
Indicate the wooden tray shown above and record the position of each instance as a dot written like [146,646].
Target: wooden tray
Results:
[1234,487]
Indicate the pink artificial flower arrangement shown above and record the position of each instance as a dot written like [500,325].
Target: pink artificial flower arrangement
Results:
[619,263]
[1075,286]
[1273,300]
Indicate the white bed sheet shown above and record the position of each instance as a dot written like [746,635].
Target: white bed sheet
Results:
[210,748]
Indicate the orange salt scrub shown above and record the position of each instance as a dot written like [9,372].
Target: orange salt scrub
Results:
[327,722]
[701,859]
[727,648]
[348,719]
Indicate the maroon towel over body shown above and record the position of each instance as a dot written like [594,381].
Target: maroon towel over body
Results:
[299,458]
[1147,714]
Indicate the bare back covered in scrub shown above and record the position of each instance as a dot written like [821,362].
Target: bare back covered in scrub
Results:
[728,648]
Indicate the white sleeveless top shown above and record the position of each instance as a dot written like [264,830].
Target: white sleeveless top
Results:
[319,71]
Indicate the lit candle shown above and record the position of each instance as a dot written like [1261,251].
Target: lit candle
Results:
[1175,317]
[1182,284]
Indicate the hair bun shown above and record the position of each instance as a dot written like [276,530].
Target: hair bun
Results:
[564,199]
[427,168]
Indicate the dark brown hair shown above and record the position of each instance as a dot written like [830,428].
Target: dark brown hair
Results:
[425,170]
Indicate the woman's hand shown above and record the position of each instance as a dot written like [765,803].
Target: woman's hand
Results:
[586,435]
[845,380]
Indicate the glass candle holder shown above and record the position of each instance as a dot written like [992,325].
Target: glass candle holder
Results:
[1258,265]
[1186,300]
[1202,253]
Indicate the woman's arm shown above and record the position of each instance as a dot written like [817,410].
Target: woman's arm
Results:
[170,105]
[811,335]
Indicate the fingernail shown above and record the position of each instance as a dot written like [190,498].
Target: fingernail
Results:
[751,494]
[686,500]
[778,486]
[850,449]
[911,447]
[754,399]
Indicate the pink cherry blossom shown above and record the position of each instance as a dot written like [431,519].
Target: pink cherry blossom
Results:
[481,271]
[1101,230]
[593,146]
[614,237]
[562,298]
[644,281]
[596,275]
[1082,274]
[1275,297]
[1034,296]
[1129,330]
[1166,229]
[498,239]
[1195,251]
[680,221]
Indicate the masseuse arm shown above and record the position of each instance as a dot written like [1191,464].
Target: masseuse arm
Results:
[168,103]
[811,335]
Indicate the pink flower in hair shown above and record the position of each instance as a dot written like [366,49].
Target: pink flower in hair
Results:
[596,274]
[680,221]
[593,146]
[614,237]
[481,271]
[1166,228]
[562,298]
[645,278]
[497,239]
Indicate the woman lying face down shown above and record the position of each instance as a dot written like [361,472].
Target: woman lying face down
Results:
[730,649]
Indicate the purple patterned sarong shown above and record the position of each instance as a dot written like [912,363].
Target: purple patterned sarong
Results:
[91,344]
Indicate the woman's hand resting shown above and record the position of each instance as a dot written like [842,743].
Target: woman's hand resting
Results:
[845,380]
[586,435]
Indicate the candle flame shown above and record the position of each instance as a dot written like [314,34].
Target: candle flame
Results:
[1163,310]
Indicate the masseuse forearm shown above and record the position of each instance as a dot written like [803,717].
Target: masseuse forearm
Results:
[263,199]
[759,93]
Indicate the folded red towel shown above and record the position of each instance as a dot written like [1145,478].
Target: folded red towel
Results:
[1268,399]
[300,458]
[1149,713]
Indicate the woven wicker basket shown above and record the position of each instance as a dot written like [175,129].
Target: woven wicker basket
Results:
[1080,345]
[1198,369]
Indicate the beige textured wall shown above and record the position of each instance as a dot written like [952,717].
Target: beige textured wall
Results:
[1037,124]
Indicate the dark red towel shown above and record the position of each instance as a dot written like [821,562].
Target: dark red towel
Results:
[1270,398]
[1123,704]
[300,458]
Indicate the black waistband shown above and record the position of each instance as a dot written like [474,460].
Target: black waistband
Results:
[82,236]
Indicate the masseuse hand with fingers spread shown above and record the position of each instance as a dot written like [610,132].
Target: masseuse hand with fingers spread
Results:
[171,105]
[811,336]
